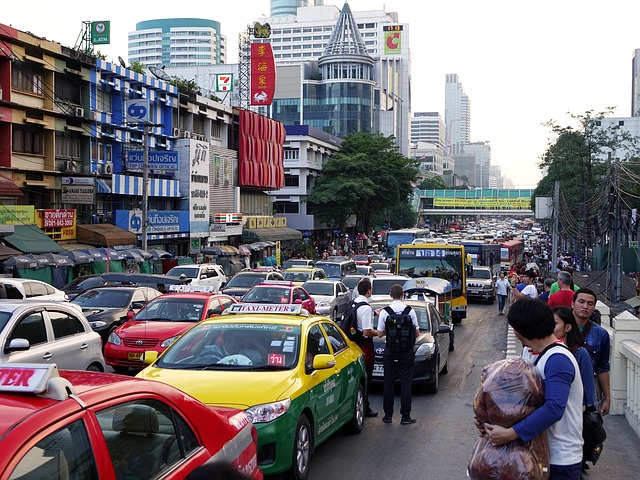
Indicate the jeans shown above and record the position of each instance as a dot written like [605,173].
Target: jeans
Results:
[403,367]
[566,472]
[502,299]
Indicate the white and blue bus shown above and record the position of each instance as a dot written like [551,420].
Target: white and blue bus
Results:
[405,236]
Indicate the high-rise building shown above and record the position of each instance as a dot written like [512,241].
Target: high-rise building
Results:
[178,42]
[482,153]
[635,84]
[457,114]
[281,8]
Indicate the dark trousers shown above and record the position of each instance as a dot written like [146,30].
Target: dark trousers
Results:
[401,365]
[366,345]
[566,472]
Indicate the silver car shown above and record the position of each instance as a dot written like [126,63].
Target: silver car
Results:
[48,332]
[332,297]
[28,289]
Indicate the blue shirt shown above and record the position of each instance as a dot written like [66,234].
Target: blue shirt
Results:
[586,373]
[599,347]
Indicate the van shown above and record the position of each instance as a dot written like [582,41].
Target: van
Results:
[209,274]
[337,269]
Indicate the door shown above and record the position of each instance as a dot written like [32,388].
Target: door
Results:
[30,326]
[73,345]
[442,339]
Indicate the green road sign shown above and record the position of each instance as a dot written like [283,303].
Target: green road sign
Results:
[100,32]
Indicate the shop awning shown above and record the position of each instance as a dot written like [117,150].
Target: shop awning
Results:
[6,252]
[30,239]
[8,188]
[270,234]
[105,235]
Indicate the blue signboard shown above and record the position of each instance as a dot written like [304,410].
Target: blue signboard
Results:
[159,221]
[158,160]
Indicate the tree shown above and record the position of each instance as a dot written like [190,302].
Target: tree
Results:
[432,183]
[138,67]
[365,177]
[185,86]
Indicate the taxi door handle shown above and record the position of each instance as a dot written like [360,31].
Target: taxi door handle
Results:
[47,356]
[84,346]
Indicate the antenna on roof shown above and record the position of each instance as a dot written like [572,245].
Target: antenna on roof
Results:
[123,64]
[159,73]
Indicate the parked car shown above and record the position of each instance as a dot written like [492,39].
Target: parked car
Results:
[331,296]
[159,324]
[481,285]
[48,332]
[71,425]
[297,262]
[431,348]
[210,274]
[274,291]
[365,270]
[242,281]
[27,289]
[106,308]
[381,285]
[299,275]
[297,376]
[86,282]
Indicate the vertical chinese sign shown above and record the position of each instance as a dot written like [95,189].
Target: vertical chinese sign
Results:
[263,74]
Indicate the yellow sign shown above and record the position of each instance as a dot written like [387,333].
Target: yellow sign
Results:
[266,222]
[17,214]
[59,224]
[504,203]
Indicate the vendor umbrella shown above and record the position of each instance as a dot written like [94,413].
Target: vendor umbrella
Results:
[78,257]
[158,253]
[112,254]
[21,261]
[143,253]
[54,259]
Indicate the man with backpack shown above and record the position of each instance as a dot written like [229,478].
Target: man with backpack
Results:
[399,324]
[358,325]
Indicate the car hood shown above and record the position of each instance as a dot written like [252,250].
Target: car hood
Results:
[162,330]
[95,313]
[323,298]
[234,389]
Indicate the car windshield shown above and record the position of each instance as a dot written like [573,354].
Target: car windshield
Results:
[235,346]
[382,286]
[297,276]
[319,288]
[351,282]
[167,309]
[244,280]
[267,295]
[84,283]
[295,263]
[186,271]
[477,273]
[421,313]
[331,269]
[4,318]
[103,298]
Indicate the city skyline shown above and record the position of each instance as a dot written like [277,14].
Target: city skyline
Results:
[518,74]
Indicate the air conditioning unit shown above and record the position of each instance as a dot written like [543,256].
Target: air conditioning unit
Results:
[108,168]
[96,115]
[176,132]
[185,134]
[70,166]
[78,111]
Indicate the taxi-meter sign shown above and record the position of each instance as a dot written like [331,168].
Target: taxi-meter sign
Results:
[26,377]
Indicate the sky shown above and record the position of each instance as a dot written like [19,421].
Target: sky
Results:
[522,64]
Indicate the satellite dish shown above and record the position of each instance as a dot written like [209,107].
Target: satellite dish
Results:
[159,73]
[122,62]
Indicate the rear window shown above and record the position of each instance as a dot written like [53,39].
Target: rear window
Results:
[245,279]
[382,286]
[319,288]
[331,269]
[103,298]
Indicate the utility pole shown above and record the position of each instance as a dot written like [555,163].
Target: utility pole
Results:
[554,237]
[615,268]
[145,185]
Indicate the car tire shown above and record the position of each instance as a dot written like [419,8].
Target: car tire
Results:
[302,449]
[94,368]
[445,369]
[356,423]
[435,385]
[452,337]
[334,314]
[120,370]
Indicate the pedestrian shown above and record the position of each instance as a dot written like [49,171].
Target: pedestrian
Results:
[529,289]
[597,343]
[561,413]
[399,324]
[546,286]
[364,314]
[564,296]
[556,286]
[502,291]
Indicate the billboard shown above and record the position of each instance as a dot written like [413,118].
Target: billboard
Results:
[503,203]
[101,32]
[263,74]
[224,82]
[78,190]
[392,39]
[157,160]
[17,214]
[59,224]
[158,221]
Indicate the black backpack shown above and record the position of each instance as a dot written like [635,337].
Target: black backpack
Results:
[400,331]
[349,322]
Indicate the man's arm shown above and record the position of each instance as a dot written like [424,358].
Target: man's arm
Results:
[517,293]
[605,386]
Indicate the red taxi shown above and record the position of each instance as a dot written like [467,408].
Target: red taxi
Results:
[160,323]
[279,291]
[77,424]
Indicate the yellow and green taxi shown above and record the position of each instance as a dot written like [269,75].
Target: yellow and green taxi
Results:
[296,375]
[299,275]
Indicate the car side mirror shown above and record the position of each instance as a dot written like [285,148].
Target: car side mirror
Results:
[444,329]
[297,301]
[324,361]
[130,314]
[203,276]
[17,345]
[137,305]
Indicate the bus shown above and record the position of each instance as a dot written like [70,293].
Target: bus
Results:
[484,254]
[440,261]
[511,252]
[403,236]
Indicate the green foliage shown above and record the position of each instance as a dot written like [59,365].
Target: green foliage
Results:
[99,55]
[432,183]
[138,67]
[185,86]
[366,177]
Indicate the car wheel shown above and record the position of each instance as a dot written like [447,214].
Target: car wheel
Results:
[120,370]
[94,368]
[435,385]
[357,421]
[445,369]
[302,445]
[334,314]
[452,337]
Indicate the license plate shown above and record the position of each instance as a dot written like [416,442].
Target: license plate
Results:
[474,291]
[378,370]
[133,356]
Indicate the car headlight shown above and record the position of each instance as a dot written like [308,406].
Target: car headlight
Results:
[323,304]
[169,341]
[114,338]
[97,324]
[268,411]
[426,349]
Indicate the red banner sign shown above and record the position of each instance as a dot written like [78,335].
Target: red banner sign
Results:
[58,218]
[263,74]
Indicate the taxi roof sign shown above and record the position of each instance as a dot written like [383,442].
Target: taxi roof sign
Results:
[286,283]
[191,288]
[282,309]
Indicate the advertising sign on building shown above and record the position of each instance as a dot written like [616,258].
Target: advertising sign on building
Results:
[224,82]
[158,160]
[199,188]
[392,39]
[100,32]
[78,190]
[59,224]
[263,74]
[158,221]
[137,110]
[16,214]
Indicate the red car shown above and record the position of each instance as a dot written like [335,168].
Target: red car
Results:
[279,291]
[159,324]
[77,424]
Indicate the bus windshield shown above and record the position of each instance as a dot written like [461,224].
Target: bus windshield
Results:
[400,237]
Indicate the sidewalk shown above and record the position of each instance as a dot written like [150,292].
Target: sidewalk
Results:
[620,458]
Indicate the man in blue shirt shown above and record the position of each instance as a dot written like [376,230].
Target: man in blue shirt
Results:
[597,343]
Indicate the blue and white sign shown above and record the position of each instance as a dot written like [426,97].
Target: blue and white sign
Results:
[137,110]
[158,160]
[77,181]
[159,221]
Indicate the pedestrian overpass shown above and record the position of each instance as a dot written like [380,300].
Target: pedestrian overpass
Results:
[479,201]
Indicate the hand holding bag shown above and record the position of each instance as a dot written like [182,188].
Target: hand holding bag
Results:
[593,434]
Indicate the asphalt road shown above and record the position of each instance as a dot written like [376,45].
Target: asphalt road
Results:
[440,444]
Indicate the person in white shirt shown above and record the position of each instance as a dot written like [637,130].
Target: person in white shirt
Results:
[529,290]
[502,291]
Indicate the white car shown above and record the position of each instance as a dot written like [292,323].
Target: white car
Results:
[28,289]
[381,286]
[332,297]
[210,274]
[48,332]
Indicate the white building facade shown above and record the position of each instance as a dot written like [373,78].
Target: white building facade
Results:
[457,114]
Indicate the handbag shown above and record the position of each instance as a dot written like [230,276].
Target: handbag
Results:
[593,434]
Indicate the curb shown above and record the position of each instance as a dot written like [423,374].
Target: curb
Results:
[511,351]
